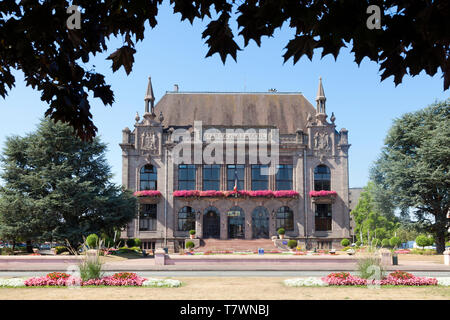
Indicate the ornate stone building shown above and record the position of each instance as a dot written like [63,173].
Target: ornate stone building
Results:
[312,170]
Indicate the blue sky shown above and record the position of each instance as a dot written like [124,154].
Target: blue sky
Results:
[174,53]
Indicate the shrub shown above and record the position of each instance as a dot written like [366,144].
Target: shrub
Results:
[292,244]
[92,241]
[345,242]
[6,251]
[91,268]
[190,245]
[109,242]
[192,232]
[385,243]
[422,241]
[137,242]
[60,249]
[130,243]
[358,243]
[281,231]
[395,242]
[375,242]
[367,266]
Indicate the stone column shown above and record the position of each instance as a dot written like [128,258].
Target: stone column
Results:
[199,225]
[223,225]
[248,225]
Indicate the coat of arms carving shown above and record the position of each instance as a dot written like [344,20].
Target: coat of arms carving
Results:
[322,141]
[149,141]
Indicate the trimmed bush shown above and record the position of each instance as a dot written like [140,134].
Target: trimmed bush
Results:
[395,242]
[385,243]
[422,241]
[192,232]
[190,245]
[130,243]
[345,242]
[292,244]
[92,241]
[137,242]
[60,249]
[281,231]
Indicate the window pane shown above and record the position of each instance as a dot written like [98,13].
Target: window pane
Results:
[186,177]
[259,181]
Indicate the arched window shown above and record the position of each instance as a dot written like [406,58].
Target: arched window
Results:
[322,178]
[186,219]
[148,178]
[285,218]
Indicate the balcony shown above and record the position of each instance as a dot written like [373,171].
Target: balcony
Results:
[323,196]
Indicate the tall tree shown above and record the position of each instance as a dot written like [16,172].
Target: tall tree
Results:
[415,167]
[58,187]
[370,221]
[36,38]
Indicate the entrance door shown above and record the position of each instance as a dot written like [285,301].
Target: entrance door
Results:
[260,223]
[211,224]
[236,223]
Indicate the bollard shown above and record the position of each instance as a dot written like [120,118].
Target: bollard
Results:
[447,257]
[160,257]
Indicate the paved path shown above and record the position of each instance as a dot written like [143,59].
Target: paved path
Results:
[240,274]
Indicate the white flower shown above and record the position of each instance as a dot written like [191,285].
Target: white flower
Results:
[153,282]
[12,282]
[444,281]
[305,282]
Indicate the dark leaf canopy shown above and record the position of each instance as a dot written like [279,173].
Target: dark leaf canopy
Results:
[34,38]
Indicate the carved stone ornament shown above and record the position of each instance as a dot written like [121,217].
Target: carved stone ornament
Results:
[149,141]
[322,141]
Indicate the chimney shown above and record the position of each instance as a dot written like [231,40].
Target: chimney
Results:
[175,87]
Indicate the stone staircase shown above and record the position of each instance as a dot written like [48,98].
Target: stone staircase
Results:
[236,245]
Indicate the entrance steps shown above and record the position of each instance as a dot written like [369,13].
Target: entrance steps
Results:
[236,245]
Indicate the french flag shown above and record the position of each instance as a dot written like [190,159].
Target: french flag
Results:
[235,180]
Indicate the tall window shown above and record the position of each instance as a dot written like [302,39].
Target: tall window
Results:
[284,177]
[323,217]
[259,181]
[147,217]
[240,173]
[285,219]
[322,176]
[186,176]
[186,219]
[211,177]
[148,178]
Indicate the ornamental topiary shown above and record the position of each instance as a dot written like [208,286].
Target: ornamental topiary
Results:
[190,245]
[192,232]
[395,242]
[130,243]
[92,241]
[137,242]
[422,241]
[345,242]
[292,244]
[385,243]
[281,231]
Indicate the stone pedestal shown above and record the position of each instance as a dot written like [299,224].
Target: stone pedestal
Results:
[386,257]
[447,257]
[160,257]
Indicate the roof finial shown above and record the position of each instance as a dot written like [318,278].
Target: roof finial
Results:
[320,99]
[149,96]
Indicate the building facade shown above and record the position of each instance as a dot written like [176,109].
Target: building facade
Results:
[307,194]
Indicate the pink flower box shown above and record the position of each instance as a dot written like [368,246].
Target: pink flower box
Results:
[147,193]
[322,193]
[346,279]
[239,193]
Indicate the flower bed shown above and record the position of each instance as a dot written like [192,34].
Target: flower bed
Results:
[64,280]
[322,193]
[147,193]
[397,278]
[239,193]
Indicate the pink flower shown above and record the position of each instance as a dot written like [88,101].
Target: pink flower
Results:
[147,193]
[322,193]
